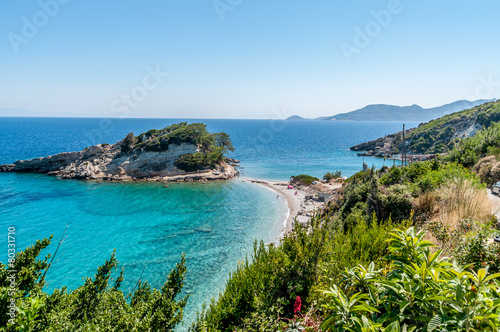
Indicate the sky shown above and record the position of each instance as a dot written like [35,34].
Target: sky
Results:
[241,58]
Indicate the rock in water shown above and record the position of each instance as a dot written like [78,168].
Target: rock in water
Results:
[204,229]
[125,161]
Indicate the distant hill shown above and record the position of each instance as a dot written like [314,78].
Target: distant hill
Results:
[383,112]
[436,136]
[296,117]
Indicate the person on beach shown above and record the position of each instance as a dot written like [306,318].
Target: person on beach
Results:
[296,193]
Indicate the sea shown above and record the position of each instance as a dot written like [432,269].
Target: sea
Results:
[150,225]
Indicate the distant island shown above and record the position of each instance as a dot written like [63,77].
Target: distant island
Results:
[437,136]
[382,112]
[180,152]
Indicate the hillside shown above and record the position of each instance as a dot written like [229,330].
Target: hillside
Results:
[383,112]
[296,118]
[436,136]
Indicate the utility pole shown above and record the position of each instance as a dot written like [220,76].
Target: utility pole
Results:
[403,156]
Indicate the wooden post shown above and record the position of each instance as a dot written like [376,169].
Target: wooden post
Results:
[403,156]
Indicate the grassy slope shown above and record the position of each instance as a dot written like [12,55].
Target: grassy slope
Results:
[485,112]
[436,136]
[439,135]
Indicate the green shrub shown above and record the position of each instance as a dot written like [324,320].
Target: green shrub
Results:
[361,244]
[128,143]
[477,250]
[469,150]
[194,161]
[397,203]
[304,179]
[422,291]
[332,176]
[434,179]
[487,169]
[97,305]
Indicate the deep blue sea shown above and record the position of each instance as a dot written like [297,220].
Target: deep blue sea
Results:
[151,225]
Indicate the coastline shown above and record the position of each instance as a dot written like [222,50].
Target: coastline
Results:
[300,205]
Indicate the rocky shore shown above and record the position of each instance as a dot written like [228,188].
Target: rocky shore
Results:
[108,163]
[384,147]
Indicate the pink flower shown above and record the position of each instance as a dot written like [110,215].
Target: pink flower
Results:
[298,304]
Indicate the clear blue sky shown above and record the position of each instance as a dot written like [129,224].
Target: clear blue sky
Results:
[264,58]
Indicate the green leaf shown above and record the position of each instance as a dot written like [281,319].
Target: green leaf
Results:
[481,274]
[393,327]
[364,307]
[434,323]
[491,277]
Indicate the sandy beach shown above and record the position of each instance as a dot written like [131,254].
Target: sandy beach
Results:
[300,206]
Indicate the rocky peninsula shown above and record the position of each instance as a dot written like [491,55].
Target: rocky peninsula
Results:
[180,152]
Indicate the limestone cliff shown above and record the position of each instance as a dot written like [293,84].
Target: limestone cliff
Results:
[119,163]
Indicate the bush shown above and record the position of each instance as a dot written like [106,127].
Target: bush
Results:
[421,291]
[469,150]
[478,251]
[332,176]
[361,244]
[194,161]
[128,143]
[190,162]
[97,305]
[397,203]
[304,179]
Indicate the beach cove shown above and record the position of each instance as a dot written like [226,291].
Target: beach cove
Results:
[301,206]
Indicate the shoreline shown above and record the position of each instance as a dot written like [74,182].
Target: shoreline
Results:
[299,205]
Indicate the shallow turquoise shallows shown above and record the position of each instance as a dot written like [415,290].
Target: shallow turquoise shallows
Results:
[150,226]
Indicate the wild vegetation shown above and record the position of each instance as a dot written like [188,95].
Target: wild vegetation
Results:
[303,179]
[357,281]
[98,305]
[212,146]
[332,176]
[419,291]
[442,134]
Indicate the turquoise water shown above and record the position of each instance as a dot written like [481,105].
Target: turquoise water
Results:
[151,225]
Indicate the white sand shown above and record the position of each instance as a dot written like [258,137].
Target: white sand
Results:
[299,208]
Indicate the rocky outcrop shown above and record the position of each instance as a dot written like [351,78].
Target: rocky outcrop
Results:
[109,163]
[384,147]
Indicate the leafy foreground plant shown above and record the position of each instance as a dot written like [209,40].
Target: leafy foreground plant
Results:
[422,291]
[94,306]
